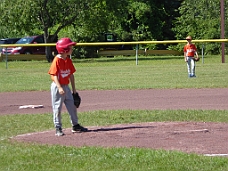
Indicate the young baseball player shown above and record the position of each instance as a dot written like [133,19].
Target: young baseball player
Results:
[62,73]
[189,52]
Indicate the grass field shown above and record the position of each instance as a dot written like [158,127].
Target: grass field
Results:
[105,73]
[118,73]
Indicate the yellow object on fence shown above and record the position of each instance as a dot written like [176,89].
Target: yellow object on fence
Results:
[140,52]
[29,57]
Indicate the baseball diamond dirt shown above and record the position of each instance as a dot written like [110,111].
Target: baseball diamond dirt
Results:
[191,137]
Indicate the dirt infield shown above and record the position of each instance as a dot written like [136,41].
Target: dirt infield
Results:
[191,137]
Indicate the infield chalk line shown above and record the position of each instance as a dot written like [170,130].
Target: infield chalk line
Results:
[33,133]
[214,155]
[189,131]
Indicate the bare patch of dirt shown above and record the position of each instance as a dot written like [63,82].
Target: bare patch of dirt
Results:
[190,137]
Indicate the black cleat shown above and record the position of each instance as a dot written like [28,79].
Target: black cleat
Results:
[78,128]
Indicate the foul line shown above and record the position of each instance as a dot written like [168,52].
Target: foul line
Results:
[215,155]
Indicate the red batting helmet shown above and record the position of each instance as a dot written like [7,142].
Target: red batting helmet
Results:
[63,45]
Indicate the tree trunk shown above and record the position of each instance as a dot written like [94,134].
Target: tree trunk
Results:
[48,49]
[49,54]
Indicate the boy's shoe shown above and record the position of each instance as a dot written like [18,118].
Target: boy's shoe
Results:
[79,128]
[59,132]
[190,75]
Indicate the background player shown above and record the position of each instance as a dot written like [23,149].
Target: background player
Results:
[189,52]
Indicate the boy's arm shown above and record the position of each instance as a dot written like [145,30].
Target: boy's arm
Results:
[185,57]
[55,79]
[72,81]
[185,53]
[196,54]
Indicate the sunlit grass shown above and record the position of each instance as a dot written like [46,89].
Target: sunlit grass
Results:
[24,156]
[108,73]
[118,73]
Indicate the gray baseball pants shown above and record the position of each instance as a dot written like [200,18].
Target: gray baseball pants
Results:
[191,66]
[57,102]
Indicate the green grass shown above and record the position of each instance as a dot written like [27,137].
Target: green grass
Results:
[118,73]
[109,73]
[23,156]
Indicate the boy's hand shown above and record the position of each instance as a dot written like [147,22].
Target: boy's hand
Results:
[197,59]
[61,91]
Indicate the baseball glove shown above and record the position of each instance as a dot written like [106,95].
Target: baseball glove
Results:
[77,100]
[197,59]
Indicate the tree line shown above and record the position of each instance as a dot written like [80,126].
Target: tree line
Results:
[129,20]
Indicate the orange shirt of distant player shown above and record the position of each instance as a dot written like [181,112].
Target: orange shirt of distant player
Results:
[190,50]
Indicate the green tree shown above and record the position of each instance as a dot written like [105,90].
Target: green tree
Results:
[150,20]
[47,17]
[201,20]
[103,17]
[88,20]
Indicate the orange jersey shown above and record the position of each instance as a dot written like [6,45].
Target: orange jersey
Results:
[190,50]
[62,68]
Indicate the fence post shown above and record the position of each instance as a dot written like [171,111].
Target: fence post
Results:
[6,59]
[136,53]
[202,54]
